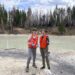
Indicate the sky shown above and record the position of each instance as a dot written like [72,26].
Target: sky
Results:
[40,5]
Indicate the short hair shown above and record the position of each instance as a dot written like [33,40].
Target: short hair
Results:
[34,29]
[46,31]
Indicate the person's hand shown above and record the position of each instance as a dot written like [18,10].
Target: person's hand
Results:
[38,45]
[33,45]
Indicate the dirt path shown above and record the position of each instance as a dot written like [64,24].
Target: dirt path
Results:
[13,62]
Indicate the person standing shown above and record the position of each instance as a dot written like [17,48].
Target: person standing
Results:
[44,42]
[32,45]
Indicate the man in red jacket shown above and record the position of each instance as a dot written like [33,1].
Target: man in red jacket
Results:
[44,42]
[32,45]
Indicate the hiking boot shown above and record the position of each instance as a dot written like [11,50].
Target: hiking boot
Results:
[34,66]
[27,69]
[42,67]
[49,68]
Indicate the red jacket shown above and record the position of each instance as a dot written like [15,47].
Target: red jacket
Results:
[43,41]
[32,42]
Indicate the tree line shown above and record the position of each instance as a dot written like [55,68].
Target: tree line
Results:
[60,18]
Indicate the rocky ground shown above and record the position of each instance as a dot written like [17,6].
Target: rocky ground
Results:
[13,62]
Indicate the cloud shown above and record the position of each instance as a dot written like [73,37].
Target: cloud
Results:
[9,4]
[70,3]
[36,4]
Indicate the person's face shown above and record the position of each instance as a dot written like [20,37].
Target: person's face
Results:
[43,33]
[34,32]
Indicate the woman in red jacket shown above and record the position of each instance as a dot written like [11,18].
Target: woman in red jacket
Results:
[32,45]
[44,42]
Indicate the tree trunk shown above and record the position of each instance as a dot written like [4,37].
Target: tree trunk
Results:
[2,26]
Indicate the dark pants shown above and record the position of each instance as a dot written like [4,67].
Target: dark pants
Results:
[31,53]
[44,54]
